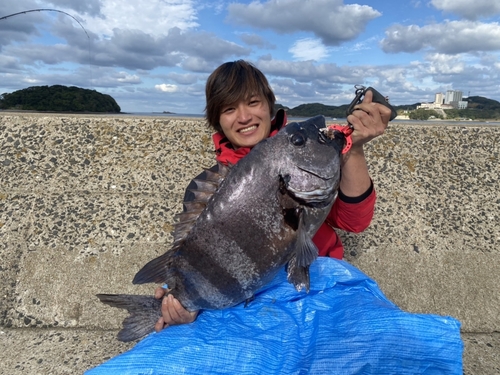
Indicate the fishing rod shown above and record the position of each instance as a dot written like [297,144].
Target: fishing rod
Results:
[58,11]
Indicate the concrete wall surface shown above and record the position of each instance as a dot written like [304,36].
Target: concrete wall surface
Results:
[87,200]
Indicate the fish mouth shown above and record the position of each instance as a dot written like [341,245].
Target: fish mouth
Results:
[316,174]
[322,192]
[316,196]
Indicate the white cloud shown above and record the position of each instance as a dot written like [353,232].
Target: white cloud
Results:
[330,20]
[308,71]
[165,87]
[308,49]
[444,64]
[149,16]
[31,81]
[183,79]
[256,40]
[469,9]
[124,77]
[450,37]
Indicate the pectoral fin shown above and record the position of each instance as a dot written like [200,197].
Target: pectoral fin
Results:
[298,276]
[306,253]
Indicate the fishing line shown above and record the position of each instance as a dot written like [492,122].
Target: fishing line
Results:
[59,11]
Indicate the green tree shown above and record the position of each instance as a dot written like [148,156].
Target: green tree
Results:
[59,98]
[423,114]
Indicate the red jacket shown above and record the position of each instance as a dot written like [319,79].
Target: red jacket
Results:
[349,214]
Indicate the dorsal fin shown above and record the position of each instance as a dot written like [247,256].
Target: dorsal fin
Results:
[201,196]
[184,217]
[207,183]
[219,176]
[206,186]
[159,270]
[195,206]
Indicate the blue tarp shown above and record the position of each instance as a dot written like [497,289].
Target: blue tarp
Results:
[344,325]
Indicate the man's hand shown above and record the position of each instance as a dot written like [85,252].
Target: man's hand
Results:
[172,311]
[369,120]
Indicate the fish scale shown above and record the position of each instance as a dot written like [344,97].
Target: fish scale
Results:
[242,224]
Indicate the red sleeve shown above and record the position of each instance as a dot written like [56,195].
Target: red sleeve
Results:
[328,242]
[349,216]
[352,217]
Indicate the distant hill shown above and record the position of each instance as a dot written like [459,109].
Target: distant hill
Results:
[313,109]
[478,108]
[407,107]
[478,102]
[59,98]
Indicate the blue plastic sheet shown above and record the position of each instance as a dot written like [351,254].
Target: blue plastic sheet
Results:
[344,325]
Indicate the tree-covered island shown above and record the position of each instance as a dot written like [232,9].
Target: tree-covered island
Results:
[58,98]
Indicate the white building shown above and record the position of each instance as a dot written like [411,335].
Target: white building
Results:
[434,106]
[453,96]
[452,99]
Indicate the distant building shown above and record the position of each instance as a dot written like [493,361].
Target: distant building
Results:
[439,98]
[434,106]
[428,106]
[453,96]
[452,99]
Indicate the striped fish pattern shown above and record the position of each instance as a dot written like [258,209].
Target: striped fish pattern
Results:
[243,224]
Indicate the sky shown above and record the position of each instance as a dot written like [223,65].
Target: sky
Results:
[156,55]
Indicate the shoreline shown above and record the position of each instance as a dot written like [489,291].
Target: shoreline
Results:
[171,116]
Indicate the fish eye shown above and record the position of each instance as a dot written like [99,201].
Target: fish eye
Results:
[298,139]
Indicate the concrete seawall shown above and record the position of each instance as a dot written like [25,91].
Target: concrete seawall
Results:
[86,200]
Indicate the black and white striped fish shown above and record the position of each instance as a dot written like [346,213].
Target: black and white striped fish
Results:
[244,223]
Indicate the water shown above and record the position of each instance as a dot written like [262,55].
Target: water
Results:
[447,122]
[161,114]
[202,116]
[328,119]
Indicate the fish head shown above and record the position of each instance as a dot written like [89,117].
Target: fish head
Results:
[311,172]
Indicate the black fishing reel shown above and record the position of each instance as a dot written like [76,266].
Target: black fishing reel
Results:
[377,98]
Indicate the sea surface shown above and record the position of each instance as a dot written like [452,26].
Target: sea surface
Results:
[329,119]
[201,116]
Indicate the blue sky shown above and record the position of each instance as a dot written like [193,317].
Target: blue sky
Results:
[155,55]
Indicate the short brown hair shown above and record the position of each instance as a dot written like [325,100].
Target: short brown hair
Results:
[232,82]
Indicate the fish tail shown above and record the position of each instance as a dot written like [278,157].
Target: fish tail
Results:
[144,313]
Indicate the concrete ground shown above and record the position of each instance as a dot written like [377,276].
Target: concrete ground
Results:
[85,201]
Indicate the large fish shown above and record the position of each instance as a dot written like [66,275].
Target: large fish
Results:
[245,222]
